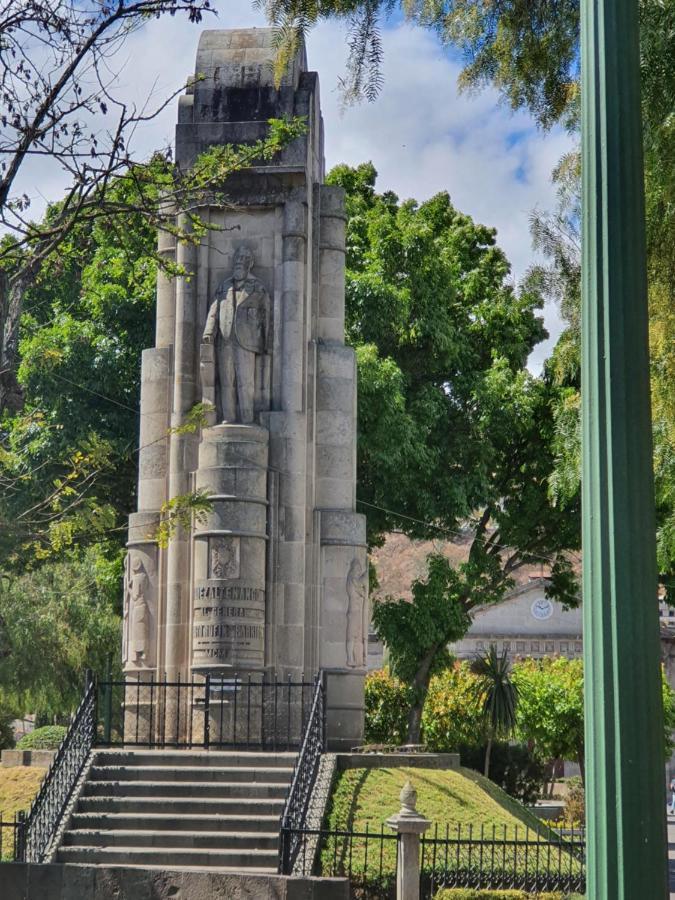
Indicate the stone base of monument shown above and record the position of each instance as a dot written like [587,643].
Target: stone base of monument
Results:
[345,708]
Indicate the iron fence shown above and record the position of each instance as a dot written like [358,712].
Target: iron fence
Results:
[295,811]
[368,858]
[253,712]
[497,858]
[491,858]
[35,833]
[11,836]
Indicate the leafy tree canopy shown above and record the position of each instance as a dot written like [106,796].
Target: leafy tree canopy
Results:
[454,434]
[54,623]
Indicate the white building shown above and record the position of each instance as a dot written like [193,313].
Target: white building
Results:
[525,623]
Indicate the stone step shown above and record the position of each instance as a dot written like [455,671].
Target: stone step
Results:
[200,758]
[173,858]
[163,840]
[164,822]
[235,806]
[196,789]
[192,773]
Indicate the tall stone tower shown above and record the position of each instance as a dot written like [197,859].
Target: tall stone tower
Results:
[274,577]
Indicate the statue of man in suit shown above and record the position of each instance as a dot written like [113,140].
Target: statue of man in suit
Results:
[238,327]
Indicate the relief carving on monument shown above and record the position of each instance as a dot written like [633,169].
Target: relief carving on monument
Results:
[357,612]
[235,353]
[136,638]
[224,557]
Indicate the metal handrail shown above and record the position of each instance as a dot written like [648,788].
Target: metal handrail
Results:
[293,818]
[47,809]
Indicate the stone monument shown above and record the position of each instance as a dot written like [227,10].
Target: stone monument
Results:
[274,579]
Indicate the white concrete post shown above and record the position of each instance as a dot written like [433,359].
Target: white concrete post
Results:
[409,825]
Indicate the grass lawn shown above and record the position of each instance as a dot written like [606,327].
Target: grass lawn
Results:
[446,797]
[364,798]
[18,787]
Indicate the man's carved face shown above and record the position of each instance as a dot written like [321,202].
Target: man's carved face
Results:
[243,260]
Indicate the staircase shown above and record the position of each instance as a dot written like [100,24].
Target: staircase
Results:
[180,809]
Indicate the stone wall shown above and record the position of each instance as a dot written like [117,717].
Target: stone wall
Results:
[28,881]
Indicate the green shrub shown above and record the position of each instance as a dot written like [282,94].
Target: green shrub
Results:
[514,768]
[47,738]
[451,716]
[387,704]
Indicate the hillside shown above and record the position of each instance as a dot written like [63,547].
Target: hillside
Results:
[401,560]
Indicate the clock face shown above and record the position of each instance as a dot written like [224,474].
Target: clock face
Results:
[542,609]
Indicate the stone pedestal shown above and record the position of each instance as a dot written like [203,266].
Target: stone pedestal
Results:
[274,577]
[409,825]
[230,550]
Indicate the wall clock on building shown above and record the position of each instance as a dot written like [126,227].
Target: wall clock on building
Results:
[542,608]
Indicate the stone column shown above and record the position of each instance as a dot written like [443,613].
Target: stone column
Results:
[177,618]
[409,825]
[228,622]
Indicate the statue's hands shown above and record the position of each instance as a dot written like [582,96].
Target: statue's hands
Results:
[207,339]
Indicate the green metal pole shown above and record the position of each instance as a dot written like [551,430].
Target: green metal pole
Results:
[625,780]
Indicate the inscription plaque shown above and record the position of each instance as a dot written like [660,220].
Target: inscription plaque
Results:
[228,625]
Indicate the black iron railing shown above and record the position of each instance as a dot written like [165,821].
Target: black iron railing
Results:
[497,858]
[35,832]
[465,857]
[252,712]
[368,858]
[294,816]
[11,833]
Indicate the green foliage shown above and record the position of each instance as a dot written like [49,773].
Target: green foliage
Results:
[451,717]
[435,617]
[180,511]
[387,702]
[517,770]
[496,693]
[551,706]
[54,623]
[453,431]
[49,737]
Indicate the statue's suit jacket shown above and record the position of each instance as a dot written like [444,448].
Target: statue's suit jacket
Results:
[249,323]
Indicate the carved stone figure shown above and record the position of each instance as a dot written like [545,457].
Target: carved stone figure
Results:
[238,327]
[357,627]
[137,584]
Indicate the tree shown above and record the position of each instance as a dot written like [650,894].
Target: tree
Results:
[497,696]
[453,432]
[58,102]
[417,633]
[68,456]
[551,707]
[54,623]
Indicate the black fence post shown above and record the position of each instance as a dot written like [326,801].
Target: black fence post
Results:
[20,838]
[284,848]
[321,677]
[207,710]
[107,702]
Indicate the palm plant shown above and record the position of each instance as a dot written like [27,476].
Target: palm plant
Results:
[497,696]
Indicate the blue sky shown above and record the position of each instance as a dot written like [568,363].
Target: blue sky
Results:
[421,134]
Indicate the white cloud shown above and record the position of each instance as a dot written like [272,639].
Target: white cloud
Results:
[421,134]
